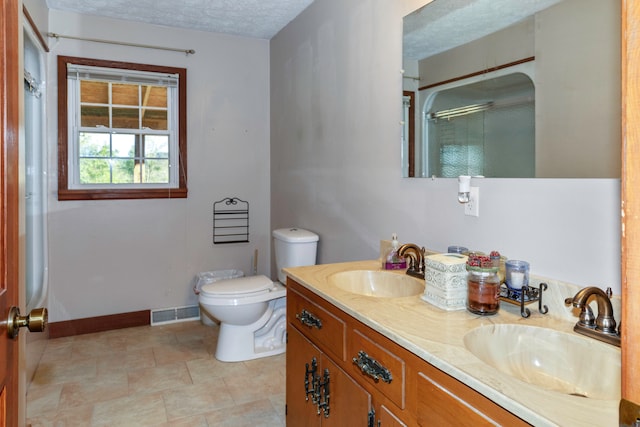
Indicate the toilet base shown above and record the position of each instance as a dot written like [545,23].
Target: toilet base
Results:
[265,337]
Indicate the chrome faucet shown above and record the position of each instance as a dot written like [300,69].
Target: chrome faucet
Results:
[415,259]
[603,327]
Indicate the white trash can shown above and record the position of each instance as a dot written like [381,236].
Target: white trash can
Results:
[207,277]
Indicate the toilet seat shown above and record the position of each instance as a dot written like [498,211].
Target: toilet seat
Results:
[241,286]
[242,290]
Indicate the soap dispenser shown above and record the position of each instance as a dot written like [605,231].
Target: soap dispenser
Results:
[394,261]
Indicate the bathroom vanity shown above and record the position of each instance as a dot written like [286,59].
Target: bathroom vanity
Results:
[361,358]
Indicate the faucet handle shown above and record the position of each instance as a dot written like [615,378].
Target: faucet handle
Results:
[587,318]
[586,314]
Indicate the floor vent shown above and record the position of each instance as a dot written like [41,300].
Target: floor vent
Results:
[174,315]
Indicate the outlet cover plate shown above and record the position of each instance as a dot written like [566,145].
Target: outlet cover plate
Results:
[472,207]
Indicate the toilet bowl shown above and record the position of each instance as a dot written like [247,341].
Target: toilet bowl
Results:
[252,310]
[252,316]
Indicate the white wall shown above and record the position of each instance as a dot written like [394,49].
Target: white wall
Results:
[335,160]
[588,118]
[111,257]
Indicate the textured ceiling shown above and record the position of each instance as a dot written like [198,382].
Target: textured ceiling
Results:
[250,18]
[445,24]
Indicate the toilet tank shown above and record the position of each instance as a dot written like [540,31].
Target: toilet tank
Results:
[294,247]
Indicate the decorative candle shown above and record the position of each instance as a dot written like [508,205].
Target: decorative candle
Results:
[517,274]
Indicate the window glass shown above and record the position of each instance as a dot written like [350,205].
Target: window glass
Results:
[156,146]
[124,145]
[156,171]
[155,119]
[155,96]
[94,145]
[125,94]
[94,92]
[92,116]
[125,118]
[93,171]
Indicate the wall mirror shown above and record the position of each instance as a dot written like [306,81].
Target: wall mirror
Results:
[455,52]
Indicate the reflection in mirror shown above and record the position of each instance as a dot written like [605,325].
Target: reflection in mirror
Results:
[483,128]
[572,51]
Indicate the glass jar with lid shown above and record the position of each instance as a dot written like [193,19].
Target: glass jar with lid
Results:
[483,288]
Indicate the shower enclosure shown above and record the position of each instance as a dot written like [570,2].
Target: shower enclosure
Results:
[35,163]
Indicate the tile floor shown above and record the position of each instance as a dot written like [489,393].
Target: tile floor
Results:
[153,376]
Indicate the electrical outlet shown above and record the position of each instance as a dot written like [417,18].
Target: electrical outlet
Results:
[472,207]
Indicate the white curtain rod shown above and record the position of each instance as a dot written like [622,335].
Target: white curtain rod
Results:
[60,36]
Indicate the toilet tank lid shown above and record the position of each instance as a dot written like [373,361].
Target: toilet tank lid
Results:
[240,285]
[296,235]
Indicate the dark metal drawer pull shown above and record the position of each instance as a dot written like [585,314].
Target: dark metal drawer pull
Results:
[323,399]
[310,381]
[309,319]
[372,367]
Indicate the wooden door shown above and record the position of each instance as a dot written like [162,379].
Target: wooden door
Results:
[300,352]
[10,87]
[630,184]
[349,403]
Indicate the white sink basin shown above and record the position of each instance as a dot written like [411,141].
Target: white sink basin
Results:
[552,360]
[382,284]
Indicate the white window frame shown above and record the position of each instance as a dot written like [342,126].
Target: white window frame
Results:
[75,75]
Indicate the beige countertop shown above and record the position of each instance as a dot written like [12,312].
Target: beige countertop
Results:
[436,336]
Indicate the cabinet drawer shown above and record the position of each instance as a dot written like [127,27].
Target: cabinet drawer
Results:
[442,399]
[319,325]
[377,358]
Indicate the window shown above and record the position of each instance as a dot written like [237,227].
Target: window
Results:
[121,130]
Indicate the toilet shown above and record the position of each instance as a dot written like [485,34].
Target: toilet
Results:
[252,310]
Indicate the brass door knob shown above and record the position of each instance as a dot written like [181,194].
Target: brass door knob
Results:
[36,321]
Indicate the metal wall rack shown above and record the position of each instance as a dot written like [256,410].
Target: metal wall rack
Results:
[230,221]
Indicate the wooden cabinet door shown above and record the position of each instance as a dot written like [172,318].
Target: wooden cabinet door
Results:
[350,404]
[386,418]
[300,352]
